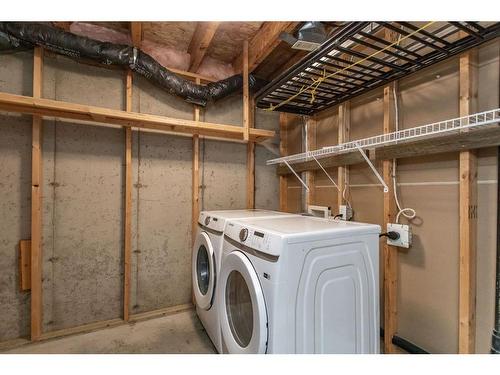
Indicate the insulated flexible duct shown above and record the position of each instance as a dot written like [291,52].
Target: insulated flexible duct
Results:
[22,34]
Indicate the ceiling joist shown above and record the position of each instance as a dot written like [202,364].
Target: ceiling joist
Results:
[263,43]
[200,42]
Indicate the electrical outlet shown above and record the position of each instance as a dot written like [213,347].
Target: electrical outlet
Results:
[404,232]
[345,211]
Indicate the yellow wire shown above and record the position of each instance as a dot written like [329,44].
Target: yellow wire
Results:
[317,82]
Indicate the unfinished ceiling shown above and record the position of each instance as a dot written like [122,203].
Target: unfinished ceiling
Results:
[213,49]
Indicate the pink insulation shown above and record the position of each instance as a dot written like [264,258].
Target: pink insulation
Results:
[166,56]
[215,69]
[100,33]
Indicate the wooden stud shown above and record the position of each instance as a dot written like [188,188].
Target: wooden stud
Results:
[195,213]
[128,203]
[390,252]
[36,204]
[283,152]
[24,265]
[311,145]
[344,126]
[136,33]
[263,43]
[246,93]
[200,42]
[248,123]
[468,211]
[106,116]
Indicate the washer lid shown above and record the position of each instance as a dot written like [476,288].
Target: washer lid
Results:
[203,271]
[242,312]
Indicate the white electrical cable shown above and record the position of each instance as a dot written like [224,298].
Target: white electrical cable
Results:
[402,211]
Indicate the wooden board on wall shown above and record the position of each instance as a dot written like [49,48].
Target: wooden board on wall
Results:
[24,265]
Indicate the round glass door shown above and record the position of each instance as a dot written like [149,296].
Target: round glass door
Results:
[243,316]
[239,308]
[203,271]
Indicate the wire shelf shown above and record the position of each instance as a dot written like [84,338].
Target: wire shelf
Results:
[436,129]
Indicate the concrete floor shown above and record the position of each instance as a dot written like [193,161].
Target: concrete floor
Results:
[178,333]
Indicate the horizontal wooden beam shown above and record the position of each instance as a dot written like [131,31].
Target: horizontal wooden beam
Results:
[263,43]
[100,116]
[486,137]
[202,37]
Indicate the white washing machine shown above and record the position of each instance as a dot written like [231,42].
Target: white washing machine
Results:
[206,262]
[299,285]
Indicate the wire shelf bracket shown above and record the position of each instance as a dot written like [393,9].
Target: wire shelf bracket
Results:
[375,172]
[327,174]
[296,175]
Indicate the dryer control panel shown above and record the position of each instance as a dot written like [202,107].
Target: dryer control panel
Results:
[257,239]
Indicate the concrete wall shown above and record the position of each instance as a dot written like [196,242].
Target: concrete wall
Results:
[428,271]
[83,196]
[15,195]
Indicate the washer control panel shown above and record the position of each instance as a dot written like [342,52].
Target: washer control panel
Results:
[211,221]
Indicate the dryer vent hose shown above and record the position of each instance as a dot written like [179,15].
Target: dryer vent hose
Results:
[18,35]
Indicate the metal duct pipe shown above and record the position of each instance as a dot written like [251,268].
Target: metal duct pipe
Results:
[22,34]
[495,339]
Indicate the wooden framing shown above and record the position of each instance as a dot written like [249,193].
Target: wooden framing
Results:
[248,124]
[390,252]
[263,43]
[200,42]
[106,116]
[36,204]
[283,152]
[136,34]
[196,176]
[344,127]
[468,211]
[311,125]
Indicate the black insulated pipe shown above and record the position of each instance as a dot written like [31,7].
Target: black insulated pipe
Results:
[495,338]
[404,344]
[22,34]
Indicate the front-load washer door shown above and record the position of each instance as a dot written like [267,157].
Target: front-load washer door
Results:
[203,270]
[242,312]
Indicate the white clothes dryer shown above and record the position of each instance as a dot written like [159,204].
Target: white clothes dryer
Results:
[299,285]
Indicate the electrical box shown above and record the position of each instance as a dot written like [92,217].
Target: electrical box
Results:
[404,232]
[346,212]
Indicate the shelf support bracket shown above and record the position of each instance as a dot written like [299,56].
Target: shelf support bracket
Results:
[386,188]
[296,175]
[327,174]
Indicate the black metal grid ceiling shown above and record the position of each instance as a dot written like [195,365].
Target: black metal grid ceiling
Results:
[363,55]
